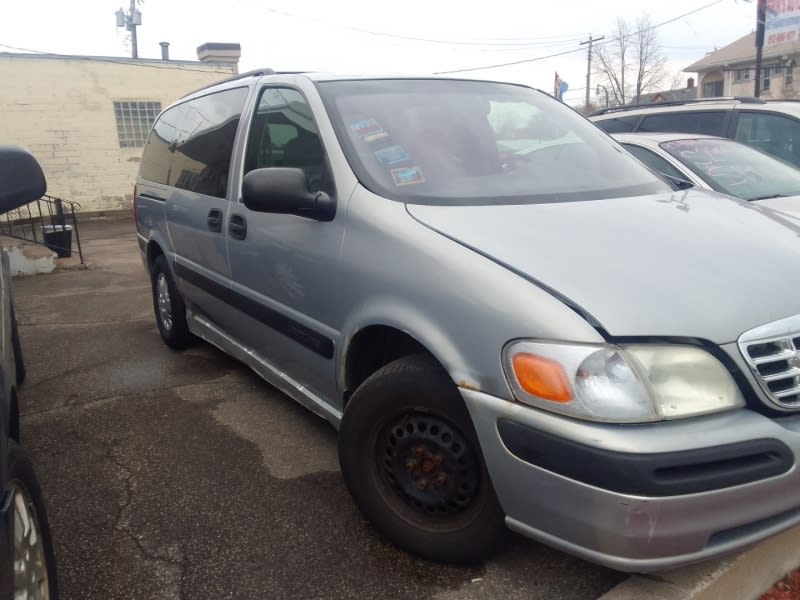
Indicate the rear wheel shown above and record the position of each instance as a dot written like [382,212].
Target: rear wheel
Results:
[34,561]
[411,460]
[169,307]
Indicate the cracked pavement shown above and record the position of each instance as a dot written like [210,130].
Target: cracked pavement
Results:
[184,476]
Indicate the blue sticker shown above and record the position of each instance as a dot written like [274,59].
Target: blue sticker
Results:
[392,155]
[366,127]
[407,176]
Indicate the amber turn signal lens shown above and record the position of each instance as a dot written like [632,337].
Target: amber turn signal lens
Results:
[542,378]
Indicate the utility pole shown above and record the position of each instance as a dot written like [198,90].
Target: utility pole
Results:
[590,41]
[761,17]
[131,21]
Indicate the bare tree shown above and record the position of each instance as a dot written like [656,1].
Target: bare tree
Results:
[632,62]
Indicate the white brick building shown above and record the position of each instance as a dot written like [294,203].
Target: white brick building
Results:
[86,118]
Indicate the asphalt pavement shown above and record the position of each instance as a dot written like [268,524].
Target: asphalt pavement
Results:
[183,475]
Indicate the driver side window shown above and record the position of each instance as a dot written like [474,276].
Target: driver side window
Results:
[283,134]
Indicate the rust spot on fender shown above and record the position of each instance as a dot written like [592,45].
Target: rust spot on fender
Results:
[468,386]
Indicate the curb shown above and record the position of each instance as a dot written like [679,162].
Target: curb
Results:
[745,576]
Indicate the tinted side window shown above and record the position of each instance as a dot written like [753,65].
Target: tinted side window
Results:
[617,124]
[655,162]
[773,134]
[202,150]
[709,123]
[284,134]
[157,155]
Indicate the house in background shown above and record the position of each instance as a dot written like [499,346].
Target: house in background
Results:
[86,118]
[730,71]
[687,93]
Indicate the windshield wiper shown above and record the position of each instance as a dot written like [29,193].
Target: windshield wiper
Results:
[770,197]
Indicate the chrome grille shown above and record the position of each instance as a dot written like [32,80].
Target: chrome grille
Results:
[773,353]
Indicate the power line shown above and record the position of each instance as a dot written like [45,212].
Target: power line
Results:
[541,41]
[538,58]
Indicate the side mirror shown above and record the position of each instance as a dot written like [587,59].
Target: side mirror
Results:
[21,178]
[285,190]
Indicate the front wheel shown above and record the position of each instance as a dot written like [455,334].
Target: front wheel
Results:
[411,460]
[34,561]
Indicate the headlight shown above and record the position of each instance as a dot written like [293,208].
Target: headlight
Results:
[622,384]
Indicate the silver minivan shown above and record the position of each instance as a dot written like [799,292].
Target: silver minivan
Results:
[509,319]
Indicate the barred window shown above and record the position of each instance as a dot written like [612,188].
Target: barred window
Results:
[134,120]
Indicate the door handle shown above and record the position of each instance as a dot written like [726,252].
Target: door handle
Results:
[237,227]
[214,220]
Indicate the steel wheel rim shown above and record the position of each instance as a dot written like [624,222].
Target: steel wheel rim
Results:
[429,467]
[30,566]
[164,301]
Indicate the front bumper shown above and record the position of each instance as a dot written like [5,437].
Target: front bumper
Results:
[641,524]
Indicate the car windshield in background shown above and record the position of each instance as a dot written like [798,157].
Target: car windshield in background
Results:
[735,169]
[475,142]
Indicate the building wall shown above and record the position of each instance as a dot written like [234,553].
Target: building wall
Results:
[777,89]
[62,111]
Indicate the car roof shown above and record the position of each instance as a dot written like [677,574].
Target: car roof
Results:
[659,138]
[785,106]
[321,77]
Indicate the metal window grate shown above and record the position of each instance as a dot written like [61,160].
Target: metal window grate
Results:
[134,120]
[773,354]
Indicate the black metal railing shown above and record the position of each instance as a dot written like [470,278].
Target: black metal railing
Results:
[47,221]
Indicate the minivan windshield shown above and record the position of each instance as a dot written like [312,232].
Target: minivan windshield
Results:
[440,141]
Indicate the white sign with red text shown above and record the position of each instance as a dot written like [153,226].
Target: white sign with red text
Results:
[782,22]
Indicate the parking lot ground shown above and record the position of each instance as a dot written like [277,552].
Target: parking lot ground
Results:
[182,475]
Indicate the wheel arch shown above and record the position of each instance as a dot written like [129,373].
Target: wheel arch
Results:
[376,344]
[153,251]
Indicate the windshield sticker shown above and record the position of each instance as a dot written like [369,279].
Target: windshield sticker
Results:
[366,127]
[407,176]
[392,155]
[373,137]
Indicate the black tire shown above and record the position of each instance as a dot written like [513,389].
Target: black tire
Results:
[172,326]
[16,347]
[23,478]
[404,427]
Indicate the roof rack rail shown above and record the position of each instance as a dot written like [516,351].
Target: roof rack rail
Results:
[245,75]
[742,99]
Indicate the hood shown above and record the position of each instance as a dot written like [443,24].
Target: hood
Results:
[694,264]
[786,209]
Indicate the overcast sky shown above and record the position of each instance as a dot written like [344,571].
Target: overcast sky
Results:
[358,36]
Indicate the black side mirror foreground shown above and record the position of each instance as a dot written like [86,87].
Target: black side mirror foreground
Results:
[21,178]
[285,190]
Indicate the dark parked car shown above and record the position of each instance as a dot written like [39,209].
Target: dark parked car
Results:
[27,565]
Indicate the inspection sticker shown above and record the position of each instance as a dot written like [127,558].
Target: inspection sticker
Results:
[366,127]
[392,155]
[373,137]
[407,176]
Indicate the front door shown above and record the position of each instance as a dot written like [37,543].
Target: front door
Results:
[286,267]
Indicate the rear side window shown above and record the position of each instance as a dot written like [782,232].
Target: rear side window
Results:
[773,134]
[617,124]
[708,123]
[157,154]
[204,143]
